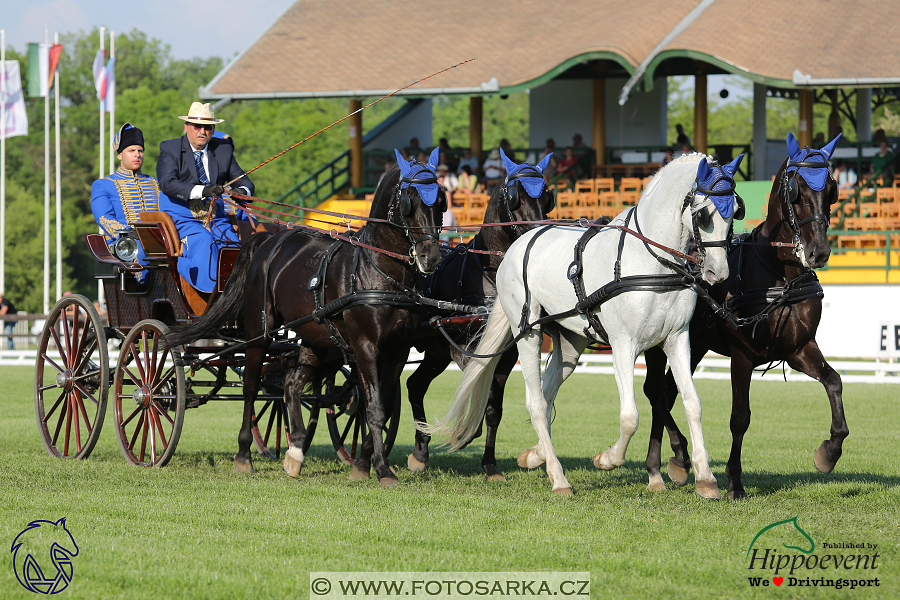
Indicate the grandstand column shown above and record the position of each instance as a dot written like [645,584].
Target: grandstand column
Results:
[805,127]
[700,112]
[759,132]
[475,131]
[356,154]
[598,129]
[864,114]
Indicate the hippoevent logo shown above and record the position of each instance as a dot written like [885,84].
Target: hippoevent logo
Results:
[42,556]
[837,564]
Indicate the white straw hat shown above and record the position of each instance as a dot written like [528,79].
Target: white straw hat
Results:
[201,114]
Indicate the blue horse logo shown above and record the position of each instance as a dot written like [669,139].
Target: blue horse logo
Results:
[32,547]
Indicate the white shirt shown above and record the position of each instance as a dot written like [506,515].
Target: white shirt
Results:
[197,190]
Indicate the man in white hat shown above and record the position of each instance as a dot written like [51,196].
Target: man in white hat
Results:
[192,171]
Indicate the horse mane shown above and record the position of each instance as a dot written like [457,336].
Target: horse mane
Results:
[693,157]
[383,194]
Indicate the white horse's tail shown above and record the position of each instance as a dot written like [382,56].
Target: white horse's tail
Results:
[471,397]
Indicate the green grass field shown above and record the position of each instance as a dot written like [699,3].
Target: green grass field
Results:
[195,529]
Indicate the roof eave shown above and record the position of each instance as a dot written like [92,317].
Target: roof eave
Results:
[718,61]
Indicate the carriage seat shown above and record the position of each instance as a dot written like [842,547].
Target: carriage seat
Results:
[173,240]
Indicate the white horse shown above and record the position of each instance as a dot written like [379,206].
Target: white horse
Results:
[633,321]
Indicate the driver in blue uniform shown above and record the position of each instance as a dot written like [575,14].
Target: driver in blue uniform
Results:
[117,200]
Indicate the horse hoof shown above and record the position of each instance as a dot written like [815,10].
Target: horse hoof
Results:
[357,474]
[565,492]
[602,462]
[657,485]
[708,489]
[820,460]
[388,482]
[678,474]
[415,465]
[736,495]
[529,459]
[292,464]
[492,474]
[243,465]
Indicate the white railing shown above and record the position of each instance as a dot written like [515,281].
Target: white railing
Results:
[713,366]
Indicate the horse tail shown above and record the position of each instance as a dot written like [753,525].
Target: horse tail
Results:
[471,397]
[227,307]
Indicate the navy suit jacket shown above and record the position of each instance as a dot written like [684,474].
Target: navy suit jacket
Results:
[176,169]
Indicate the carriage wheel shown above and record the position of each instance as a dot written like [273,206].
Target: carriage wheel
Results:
[149,396]
[347,426]
[70,392]
[273,418]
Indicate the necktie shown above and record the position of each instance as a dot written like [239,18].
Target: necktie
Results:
[201,172]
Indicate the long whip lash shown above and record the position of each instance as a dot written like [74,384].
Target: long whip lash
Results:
[347,117]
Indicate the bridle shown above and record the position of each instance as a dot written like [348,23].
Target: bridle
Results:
[400,201]
[790,195]
[701,216]
[510,201]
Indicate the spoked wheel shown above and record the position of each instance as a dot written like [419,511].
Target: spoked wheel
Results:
[272,420]
[347,426]
[149,396]
[70,392]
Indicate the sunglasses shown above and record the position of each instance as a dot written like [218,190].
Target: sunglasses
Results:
[198,126]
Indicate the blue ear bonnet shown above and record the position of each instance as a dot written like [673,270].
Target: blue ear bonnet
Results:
[533,185]
[712,178]
[411,169]
[814,177]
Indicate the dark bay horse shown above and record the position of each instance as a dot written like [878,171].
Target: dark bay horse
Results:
[469,279]
[776,326]
[344,302]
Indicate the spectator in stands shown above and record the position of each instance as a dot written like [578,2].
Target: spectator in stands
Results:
[422,157]
[413,149]
[553,165]
[883,161]
[493,170]
[685,149]
[447,156]
[387,169]
[670,156]
[567,165]
[468,182]
[682,138]
[447,180]
[469,160]
[551,146]
[844,175]
[878,136]
[7,308]
[819,140]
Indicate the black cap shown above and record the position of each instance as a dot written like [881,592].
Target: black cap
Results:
[128,135]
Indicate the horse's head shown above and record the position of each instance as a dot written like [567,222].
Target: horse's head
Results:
[802,195]
[713,205]
[524,196]
[417,206]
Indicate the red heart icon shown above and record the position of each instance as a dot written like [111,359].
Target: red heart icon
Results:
[778,580]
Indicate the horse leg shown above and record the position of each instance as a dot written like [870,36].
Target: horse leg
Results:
[809,360]
[530,359]
[678,349]
[494,413]
[378,378]
[243,462]
[295,378]
[623,362]
[679,466]
[432,365]
[741,373]
[655,390]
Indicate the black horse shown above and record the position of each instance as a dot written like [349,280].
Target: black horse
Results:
[466,277]
[345,301]
[776,295]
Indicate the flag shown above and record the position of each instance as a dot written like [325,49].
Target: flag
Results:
[16,117]
[53,59]
[38,69]
[100,74]
[110,100]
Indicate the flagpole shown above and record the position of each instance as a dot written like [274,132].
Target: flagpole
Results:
[58,191]
[100,281]
[47,190]
[112,113]
[3,159]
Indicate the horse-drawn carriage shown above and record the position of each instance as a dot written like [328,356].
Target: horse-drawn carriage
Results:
[151,385]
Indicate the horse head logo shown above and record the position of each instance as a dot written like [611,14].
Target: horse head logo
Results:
[788,533]
[40,545]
